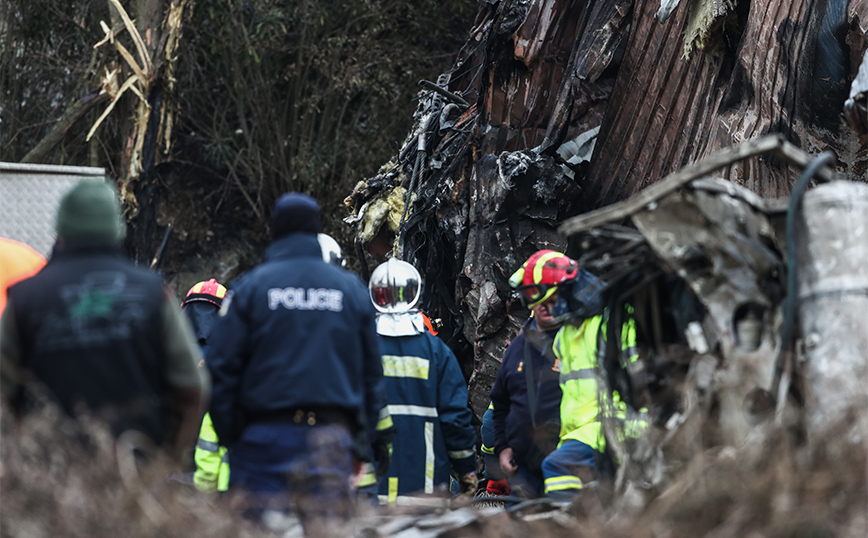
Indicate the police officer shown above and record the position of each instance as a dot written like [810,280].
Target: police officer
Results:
[426,392]
[296,369]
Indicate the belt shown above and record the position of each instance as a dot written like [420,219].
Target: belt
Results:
[308,416]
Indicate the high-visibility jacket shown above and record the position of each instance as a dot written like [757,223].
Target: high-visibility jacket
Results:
[212,460]
[427,398]
[578,349]
[17,262]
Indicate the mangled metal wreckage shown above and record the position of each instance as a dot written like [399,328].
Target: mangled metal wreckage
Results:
[750,311]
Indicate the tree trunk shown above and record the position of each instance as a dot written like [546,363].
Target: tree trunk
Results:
[71,116]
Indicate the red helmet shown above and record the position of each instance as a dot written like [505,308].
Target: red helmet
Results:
[209,290]
[538,278]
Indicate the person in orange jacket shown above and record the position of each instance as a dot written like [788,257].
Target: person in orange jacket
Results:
[17,262]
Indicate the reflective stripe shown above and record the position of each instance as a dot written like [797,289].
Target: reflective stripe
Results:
[409,500]
[487,449]
[414,410]
[561,483]
[582,373]
[385,423]
[369,477]
[630,352]
[384,413]
[459,454]
[405,366]
[208,446]
[429,457]
[540,264]
[225,458]
[393,490]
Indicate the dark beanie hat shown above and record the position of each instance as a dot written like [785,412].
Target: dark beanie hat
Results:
[295,212]
[90,210]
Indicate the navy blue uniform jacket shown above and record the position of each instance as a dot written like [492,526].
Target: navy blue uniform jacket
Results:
[428,403]
[297,332]
[512,423]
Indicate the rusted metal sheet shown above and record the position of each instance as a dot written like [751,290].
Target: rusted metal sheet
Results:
[781,82]
[610,20]
[656,106]
[666,112]
[520,101]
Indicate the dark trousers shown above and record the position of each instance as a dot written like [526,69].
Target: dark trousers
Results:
[281,465]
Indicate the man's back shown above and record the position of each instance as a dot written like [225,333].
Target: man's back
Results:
[428,403]
[100,332]
[89,327]
[307,330]
[296,369]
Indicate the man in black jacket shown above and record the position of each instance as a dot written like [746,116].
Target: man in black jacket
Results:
[295,362]
[102,335]
[527,418]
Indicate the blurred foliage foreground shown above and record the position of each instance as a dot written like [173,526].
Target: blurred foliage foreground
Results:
[65,478]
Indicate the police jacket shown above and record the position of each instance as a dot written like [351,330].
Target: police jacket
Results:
[427,398]
[97,330]
[513,427]
[294,333]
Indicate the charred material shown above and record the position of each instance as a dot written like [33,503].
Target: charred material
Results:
[557,107]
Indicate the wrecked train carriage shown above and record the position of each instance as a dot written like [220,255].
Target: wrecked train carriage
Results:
[704,267]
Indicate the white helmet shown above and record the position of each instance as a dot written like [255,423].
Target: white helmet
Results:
[395,287]
[331,251]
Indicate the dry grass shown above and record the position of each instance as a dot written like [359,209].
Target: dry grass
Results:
[58,479]
[62,479]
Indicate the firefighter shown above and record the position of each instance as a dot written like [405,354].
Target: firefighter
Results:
[100,332]
[577,345]
[201,305]
[426,392]
[526,394]
[331,251]
[296,373]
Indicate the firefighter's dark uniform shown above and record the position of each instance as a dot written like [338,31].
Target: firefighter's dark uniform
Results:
[427,398]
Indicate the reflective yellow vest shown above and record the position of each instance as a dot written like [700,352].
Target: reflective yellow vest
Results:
[212,460]
[577,349]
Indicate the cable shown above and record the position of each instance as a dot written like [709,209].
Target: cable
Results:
[791,301]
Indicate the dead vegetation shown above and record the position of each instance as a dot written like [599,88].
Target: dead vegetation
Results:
[62,479]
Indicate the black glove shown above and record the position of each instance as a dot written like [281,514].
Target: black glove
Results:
[382,457]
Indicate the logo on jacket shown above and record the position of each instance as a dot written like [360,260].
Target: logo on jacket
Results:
[309,299]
